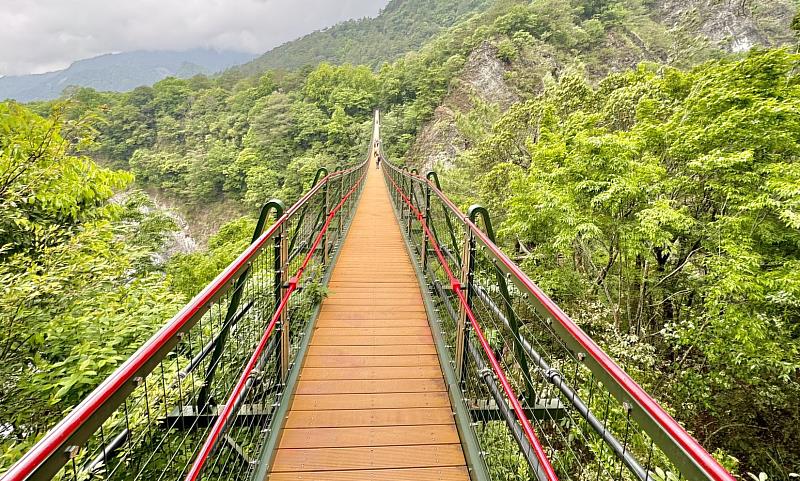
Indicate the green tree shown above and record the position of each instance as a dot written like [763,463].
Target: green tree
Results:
[75,271]
[670,199]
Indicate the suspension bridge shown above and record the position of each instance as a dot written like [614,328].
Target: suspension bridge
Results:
[370,331]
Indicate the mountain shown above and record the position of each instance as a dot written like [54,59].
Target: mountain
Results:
[119,72]
[402,26]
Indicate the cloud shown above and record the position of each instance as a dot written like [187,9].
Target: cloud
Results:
[43,35]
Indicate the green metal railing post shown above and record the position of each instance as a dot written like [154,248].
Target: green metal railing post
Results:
[281,287]
[340,217]
[425,239]
[462,332]
[414,200]
[402,181]
[473,213]
[325,210]
[409,223]
[204,395]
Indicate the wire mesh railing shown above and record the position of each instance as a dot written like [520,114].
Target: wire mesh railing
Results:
[240,462]
[589,419]
[186,385]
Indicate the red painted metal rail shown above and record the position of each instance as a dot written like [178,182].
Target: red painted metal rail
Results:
[589,393]
[224,417]
[153,394]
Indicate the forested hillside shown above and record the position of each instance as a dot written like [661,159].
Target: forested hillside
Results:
[401,27]
[642,171]
[661,209]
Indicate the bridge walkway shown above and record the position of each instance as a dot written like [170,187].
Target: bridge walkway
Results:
[371,402]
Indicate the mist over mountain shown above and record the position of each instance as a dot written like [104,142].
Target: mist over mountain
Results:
[120,72]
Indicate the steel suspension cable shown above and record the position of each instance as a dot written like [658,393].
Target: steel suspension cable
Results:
[455,284]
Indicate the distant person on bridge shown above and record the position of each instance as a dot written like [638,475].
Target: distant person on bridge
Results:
[377,159]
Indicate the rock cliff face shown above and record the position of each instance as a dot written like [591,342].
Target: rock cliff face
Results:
[732,25]
[483,77]
[721,26]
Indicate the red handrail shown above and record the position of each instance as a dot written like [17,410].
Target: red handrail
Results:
[219,425]
[55,438]
[455,284]
[631,387]
[61,432]
[693,449]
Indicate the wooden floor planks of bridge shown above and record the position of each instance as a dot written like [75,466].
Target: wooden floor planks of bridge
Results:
[371,402]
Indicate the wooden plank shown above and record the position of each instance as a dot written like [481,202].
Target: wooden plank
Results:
[368,417]
[398,350]
[353,285]
[367,323]
[310,402]
[371,340]
[385,315]
[390,330]
[371,361]
[449,473]
[400,294]
[370,436]
[383,278]
[346,373]
[399,307]
[374,301]
[366,264]
[378,292]
[376,283]
[391,273]
[358,264]
[370,387]
[379,457]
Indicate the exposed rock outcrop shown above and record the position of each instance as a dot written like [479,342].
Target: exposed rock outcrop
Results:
[483,77]
[734,26]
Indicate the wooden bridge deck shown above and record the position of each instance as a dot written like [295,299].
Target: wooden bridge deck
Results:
[371,402]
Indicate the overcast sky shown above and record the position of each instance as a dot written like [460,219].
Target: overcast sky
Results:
[43,35]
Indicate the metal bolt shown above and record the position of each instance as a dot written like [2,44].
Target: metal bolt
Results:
[72,451]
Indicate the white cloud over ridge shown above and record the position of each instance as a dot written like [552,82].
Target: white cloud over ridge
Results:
[44,35]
